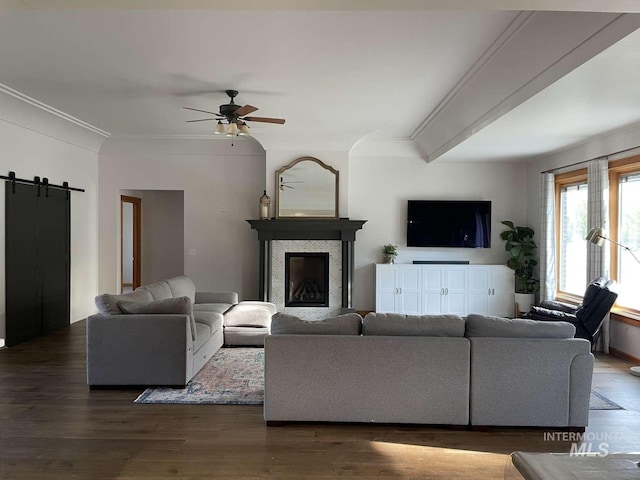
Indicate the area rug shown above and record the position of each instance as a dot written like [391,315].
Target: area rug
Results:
[233,376]
[600,402]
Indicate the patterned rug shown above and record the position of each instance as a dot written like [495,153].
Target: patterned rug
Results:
[233,376]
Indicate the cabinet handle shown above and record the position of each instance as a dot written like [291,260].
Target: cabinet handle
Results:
[442,291]
[489,291]
[446,291]
[493,291]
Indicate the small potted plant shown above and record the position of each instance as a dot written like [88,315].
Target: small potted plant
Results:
[390,253]
[521,247]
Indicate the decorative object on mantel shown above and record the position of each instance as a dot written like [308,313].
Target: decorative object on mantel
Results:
[265,200]
[307,188]
[521,247]
[390,253]
[597,236]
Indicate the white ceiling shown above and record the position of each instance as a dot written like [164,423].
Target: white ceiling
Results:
[395,72]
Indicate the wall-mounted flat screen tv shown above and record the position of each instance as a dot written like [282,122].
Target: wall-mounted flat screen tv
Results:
[449,223]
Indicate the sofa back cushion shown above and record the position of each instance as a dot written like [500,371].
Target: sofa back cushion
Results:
[179,305]
[182,286]
[489,326]
[107,303]
[284,324]
[158,290]
[395,324]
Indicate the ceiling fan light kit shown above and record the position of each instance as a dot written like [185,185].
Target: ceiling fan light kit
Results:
[235,116]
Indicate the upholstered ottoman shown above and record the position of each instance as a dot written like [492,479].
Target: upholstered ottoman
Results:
[247,323]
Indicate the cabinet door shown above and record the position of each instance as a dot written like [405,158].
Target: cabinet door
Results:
[433,280]
[408,280]
[480,289]
[502,291]
[386,290]
[456,289]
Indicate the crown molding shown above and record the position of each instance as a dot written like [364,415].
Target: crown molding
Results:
[330,140]
[53,111]
[28,113]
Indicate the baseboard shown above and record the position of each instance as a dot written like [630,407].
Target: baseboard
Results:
[624,356]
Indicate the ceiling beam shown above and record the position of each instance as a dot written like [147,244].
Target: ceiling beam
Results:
[536,50]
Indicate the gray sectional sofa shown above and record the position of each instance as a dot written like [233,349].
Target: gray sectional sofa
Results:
[164,333]
[430,369]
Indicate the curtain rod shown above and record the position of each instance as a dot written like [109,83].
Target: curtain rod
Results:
[36,181]
[551,170]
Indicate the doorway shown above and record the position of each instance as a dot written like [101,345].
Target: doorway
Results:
[130,243]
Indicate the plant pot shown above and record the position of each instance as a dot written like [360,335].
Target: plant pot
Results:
[389,258]
[524,301]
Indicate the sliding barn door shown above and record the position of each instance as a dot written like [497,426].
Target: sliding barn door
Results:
[37,273]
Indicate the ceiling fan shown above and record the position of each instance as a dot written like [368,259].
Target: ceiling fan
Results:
[235,116]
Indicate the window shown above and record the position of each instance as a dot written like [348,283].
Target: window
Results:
[571,228]
[624,183]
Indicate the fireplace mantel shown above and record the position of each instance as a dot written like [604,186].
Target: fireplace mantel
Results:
[298,229]
[343,230]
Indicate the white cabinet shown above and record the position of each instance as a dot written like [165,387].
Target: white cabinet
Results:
[444,289]
[398,288]
[491,290]
[438,289]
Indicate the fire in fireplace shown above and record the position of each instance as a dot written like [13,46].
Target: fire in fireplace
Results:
[306,279]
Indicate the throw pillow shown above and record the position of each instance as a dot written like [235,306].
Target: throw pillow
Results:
[488,326]
[347,324]
[107,303]
[179,305]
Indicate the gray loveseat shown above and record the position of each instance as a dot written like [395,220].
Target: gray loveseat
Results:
[160,334]
[432,369]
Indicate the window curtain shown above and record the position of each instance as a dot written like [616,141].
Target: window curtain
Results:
[547,247]
[597,214]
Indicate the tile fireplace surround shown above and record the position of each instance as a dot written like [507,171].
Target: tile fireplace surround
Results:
[335,237]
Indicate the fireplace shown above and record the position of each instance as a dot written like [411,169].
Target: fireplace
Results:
[306,279]
[284,240]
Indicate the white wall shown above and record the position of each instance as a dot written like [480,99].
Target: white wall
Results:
[34,142]
[624,337]
[379,188]
[162,235]
[221,184]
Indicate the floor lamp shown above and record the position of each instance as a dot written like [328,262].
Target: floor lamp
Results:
[597,237]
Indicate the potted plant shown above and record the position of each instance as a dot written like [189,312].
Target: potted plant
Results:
[521,248]
[390,253]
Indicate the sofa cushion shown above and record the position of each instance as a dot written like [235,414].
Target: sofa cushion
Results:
[180,305]
[158,290]
[107,304]
[212,307]
[395,324]
[212,319]
[203,334]
[182,286]
[489,326]
[248,315]
[348,324]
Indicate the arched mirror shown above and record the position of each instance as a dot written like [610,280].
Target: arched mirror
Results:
[307,188]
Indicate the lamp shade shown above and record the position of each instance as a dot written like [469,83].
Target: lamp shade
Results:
[219,128]
[596,236]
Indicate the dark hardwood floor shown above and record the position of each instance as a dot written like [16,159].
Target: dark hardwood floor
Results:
[53,427]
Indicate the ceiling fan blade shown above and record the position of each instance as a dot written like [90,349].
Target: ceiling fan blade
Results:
[265,120]
[201,120]
[245,110]
[203,111]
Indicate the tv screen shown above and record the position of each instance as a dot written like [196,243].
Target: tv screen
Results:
[449,223]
